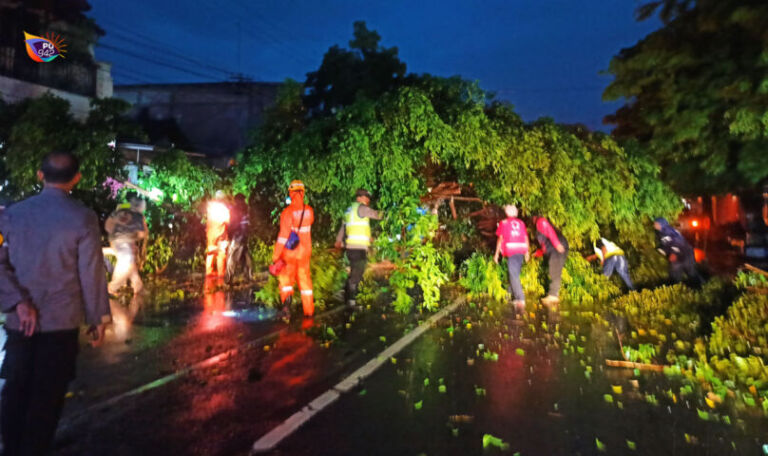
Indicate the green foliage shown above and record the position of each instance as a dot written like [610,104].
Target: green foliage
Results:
[744,329]
[34,127]
[655,314]
[328,275]
[269,294]
[459,239]
[423,129]
[365,70]
[652,269]
[746,280]
[159,254]
[182,182]
[483,278]
[696,93]
[582,285]
[530,277]
[738,345]
[644,353]
[369,290]
[584,182]
[261,253]
[417,261]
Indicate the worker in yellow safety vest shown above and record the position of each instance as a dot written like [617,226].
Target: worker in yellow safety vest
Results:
[355,237]
[612,259]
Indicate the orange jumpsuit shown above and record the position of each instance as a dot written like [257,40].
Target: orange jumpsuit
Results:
[296,260]
[216,234]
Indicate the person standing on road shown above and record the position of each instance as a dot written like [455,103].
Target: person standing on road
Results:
[613,260]
[555,247]
[238,253]
[355,236]
[126,228]
[52,277]
[512,243]
[678,251]
[217,220]
[294,247]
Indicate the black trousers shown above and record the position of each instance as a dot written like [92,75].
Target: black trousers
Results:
[37,371]
[358,259]
[685,265]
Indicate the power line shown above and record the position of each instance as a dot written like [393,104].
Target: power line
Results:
[547,89]
[272,24]
[131,37]
[156,62]
[133,71]
[282,47]
[126,74]
[163,54]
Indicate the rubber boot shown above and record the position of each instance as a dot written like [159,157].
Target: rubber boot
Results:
[285,313]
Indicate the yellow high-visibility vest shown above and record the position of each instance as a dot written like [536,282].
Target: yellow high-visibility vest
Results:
[611,249]
[358,228]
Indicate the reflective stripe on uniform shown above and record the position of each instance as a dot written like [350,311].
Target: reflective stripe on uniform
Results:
[286,289]
[304,229]
[306,292]
[282,240]
[513,245]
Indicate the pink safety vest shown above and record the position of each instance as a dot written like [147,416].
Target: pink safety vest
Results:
[513,237]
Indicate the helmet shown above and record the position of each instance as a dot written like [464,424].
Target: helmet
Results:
[296,186]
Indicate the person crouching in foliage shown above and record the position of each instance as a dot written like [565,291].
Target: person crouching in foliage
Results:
[355,236]
[672,244]
[612,259]
[555,247]
[238,253]
[512,243]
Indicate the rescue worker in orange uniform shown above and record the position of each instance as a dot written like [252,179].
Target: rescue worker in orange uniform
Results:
[296,218]
[216,234]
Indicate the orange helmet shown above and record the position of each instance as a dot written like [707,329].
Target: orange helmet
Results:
[296,186]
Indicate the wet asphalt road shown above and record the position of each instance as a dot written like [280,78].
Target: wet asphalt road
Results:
[479,376]
[443,396]
[222,408]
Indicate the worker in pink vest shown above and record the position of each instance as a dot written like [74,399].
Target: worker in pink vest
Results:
[512,242]
[555,247]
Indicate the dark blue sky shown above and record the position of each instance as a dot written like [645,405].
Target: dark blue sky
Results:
[544,56]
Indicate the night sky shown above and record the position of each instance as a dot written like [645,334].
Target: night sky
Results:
[544,56]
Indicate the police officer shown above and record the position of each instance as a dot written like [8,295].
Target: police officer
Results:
[355,236]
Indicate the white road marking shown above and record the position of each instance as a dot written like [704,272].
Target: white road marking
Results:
[271,439]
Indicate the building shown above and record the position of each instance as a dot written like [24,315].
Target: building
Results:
[76,78]
[213,119]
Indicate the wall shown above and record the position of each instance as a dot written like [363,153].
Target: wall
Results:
[214,119]
[14,90]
